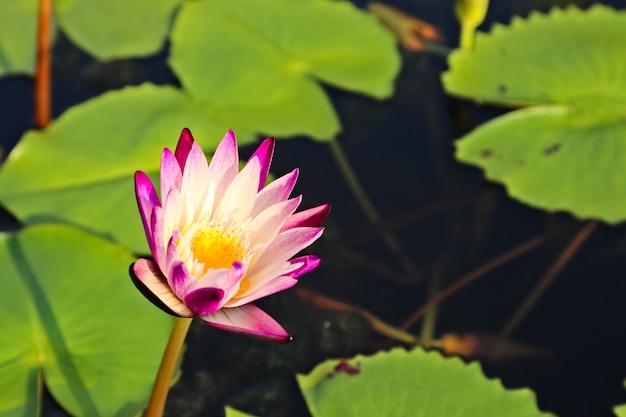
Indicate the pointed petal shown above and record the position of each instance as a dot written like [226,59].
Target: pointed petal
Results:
[275,192]
[284,246]
[147,199]
[183,147]
[225,160]
[266,225]
[277,284]
[171,174]
[312,217]
[149,280]
[195,177]
[264,154]
[158,240]
[248,320]
[239,199]
[309,263]
[275,278]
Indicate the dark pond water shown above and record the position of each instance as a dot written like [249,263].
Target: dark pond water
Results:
[446,218]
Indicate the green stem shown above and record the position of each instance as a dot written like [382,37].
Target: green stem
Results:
[168,365]
[367,206]
[467,36]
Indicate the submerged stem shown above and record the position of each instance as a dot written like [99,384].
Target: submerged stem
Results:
[166,369]
[370,211]
[548,278]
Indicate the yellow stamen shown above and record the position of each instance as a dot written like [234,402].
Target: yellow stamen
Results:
[217,247]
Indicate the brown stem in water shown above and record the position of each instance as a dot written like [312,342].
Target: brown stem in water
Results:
[548,278]
[472,276]
[42,70]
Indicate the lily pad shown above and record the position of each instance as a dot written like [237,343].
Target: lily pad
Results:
[18,29]
[80,169]
[566,151]
[415,383]
[72,319]
[265,72]
[105,29]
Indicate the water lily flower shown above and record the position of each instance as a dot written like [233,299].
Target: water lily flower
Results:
[221,238]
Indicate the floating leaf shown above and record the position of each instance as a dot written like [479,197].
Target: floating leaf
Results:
[105,29]
[566,152]
[18,28]
[80,169]
[117,28]
[72,318]
[415,383]
[264,72]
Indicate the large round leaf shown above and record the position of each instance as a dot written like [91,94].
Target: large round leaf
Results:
[72,318]
[415,383]
[257,62]
[80,169]
[568,152]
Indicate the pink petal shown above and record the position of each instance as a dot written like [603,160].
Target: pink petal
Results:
[277,191]
[309,263]
[277,284]
[225,159]
[148,274]
[275,278]
[156,223]
[178,276]
[183,147]
[171,174]
[147,199]
[267,224]
[312,217]
[264,154]
[195,177]
[226,280]
[204,300]
[284,246]
[238,199]
[248,320]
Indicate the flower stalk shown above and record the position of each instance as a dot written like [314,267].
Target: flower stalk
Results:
[168,365]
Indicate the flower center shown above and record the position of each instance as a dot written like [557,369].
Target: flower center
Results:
[217,246]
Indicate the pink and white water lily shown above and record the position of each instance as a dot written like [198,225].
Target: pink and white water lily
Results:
[221,238]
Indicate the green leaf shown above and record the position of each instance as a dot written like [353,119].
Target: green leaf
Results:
[564,153]
[18,26]
[116,28]
[231,412]
[415,383]
[581,56]
[549,162]
[80,169]
[72,317]
[264,72]
[105,29]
